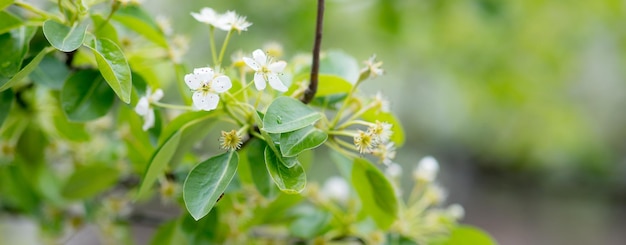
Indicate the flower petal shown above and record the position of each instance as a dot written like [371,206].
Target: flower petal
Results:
[276,83]
[277,67]
[205,101]
[158,94]
[259,81]
[221,84]
[259,57]
[142,106]
[202,70]
[193,81]
[149,120]
[251,63]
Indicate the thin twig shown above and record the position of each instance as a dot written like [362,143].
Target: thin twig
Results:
[315,67]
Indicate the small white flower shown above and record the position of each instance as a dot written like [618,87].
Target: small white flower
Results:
[373,67]
[382,102]
[209,16]
[144,109]
[206,86]
[385,152]
[231,21]
[456,211]
[336,188]
[381,131]
[165,25]
[426,169]
[394,170]
[266,70]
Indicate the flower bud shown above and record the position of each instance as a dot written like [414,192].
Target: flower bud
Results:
[426,169]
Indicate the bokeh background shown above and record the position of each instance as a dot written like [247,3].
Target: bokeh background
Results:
[521,101]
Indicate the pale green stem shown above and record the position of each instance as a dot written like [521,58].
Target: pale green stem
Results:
[338,148]
[258,99]
[243,90]
[357,114]
[242,78]
[343,107]
[35,10]
[342,133]
[170,106]
[224,45]
[212,43]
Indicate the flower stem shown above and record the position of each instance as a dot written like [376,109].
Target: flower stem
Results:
[35,10]
[310,93]
[212,43]
[170,106]
[224,45]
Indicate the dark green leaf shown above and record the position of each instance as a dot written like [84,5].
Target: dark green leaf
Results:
[260,177]
[62,37]
[27,70]
[89,181]
[113,66]
[51,73]
[6,100]
[8,21]
[207,181]
[292,143]
[136,19]
[287,114]
[469,235]
[341,64]
[289,180]
[14,46]
[85,96]
[203,231]
[168,233]
[378,198]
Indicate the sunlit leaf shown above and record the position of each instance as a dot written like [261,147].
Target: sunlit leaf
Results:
[341,64]
[85,96]
[5,3]
[113,66]
[8,21]
[6,100]
[469,235]
[207,181]
[378,198]
[289,180]
[104,28]
[136,19]
[62,37]
[332,84]
[292,143]
[286,114]
[260,177]
[89,180]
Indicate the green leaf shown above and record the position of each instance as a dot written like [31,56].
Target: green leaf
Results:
[8,21]
[341,64]
[51,73]
[260,177]
[136,19]
[292,143]
[398,132]
[62,37]
[113,66]
[14,46]
[289,180]
[377,195]
[69,130]
[207,181]
[310,224]
[6,100]
[178,142]
[6,3]
[469,235]
[89,181]
[287,114]
[26,71]
[105,29]
[329,84]
[168,234]
[204,231]
[85,96]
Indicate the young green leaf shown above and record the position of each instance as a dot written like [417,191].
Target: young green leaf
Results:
[62,37]
[14,46]
[207,181]
[292,143]
[104,28]
[113,66]
[378,198]
[332,84]
[260,177]
[85,96]
[8,21]
[25,71]
[158,162]
[5,3]
[136,19]
[341,64]
[289,180]
[90,180]
[286,114]
[469,235]
[6,100]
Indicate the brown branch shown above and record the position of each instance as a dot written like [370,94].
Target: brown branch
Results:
[315,66]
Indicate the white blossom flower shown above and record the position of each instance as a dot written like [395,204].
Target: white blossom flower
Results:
[266,70]
[364,142]
[206,85]
[373,67]
[394,170]
[456,211]
[381,102]
[426,169]
[165,25]
[231,21]
[381,131]
[336,188]
[385,152]
[209,16]
[144,107]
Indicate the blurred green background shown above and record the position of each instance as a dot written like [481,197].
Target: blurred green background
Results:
[521,101]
